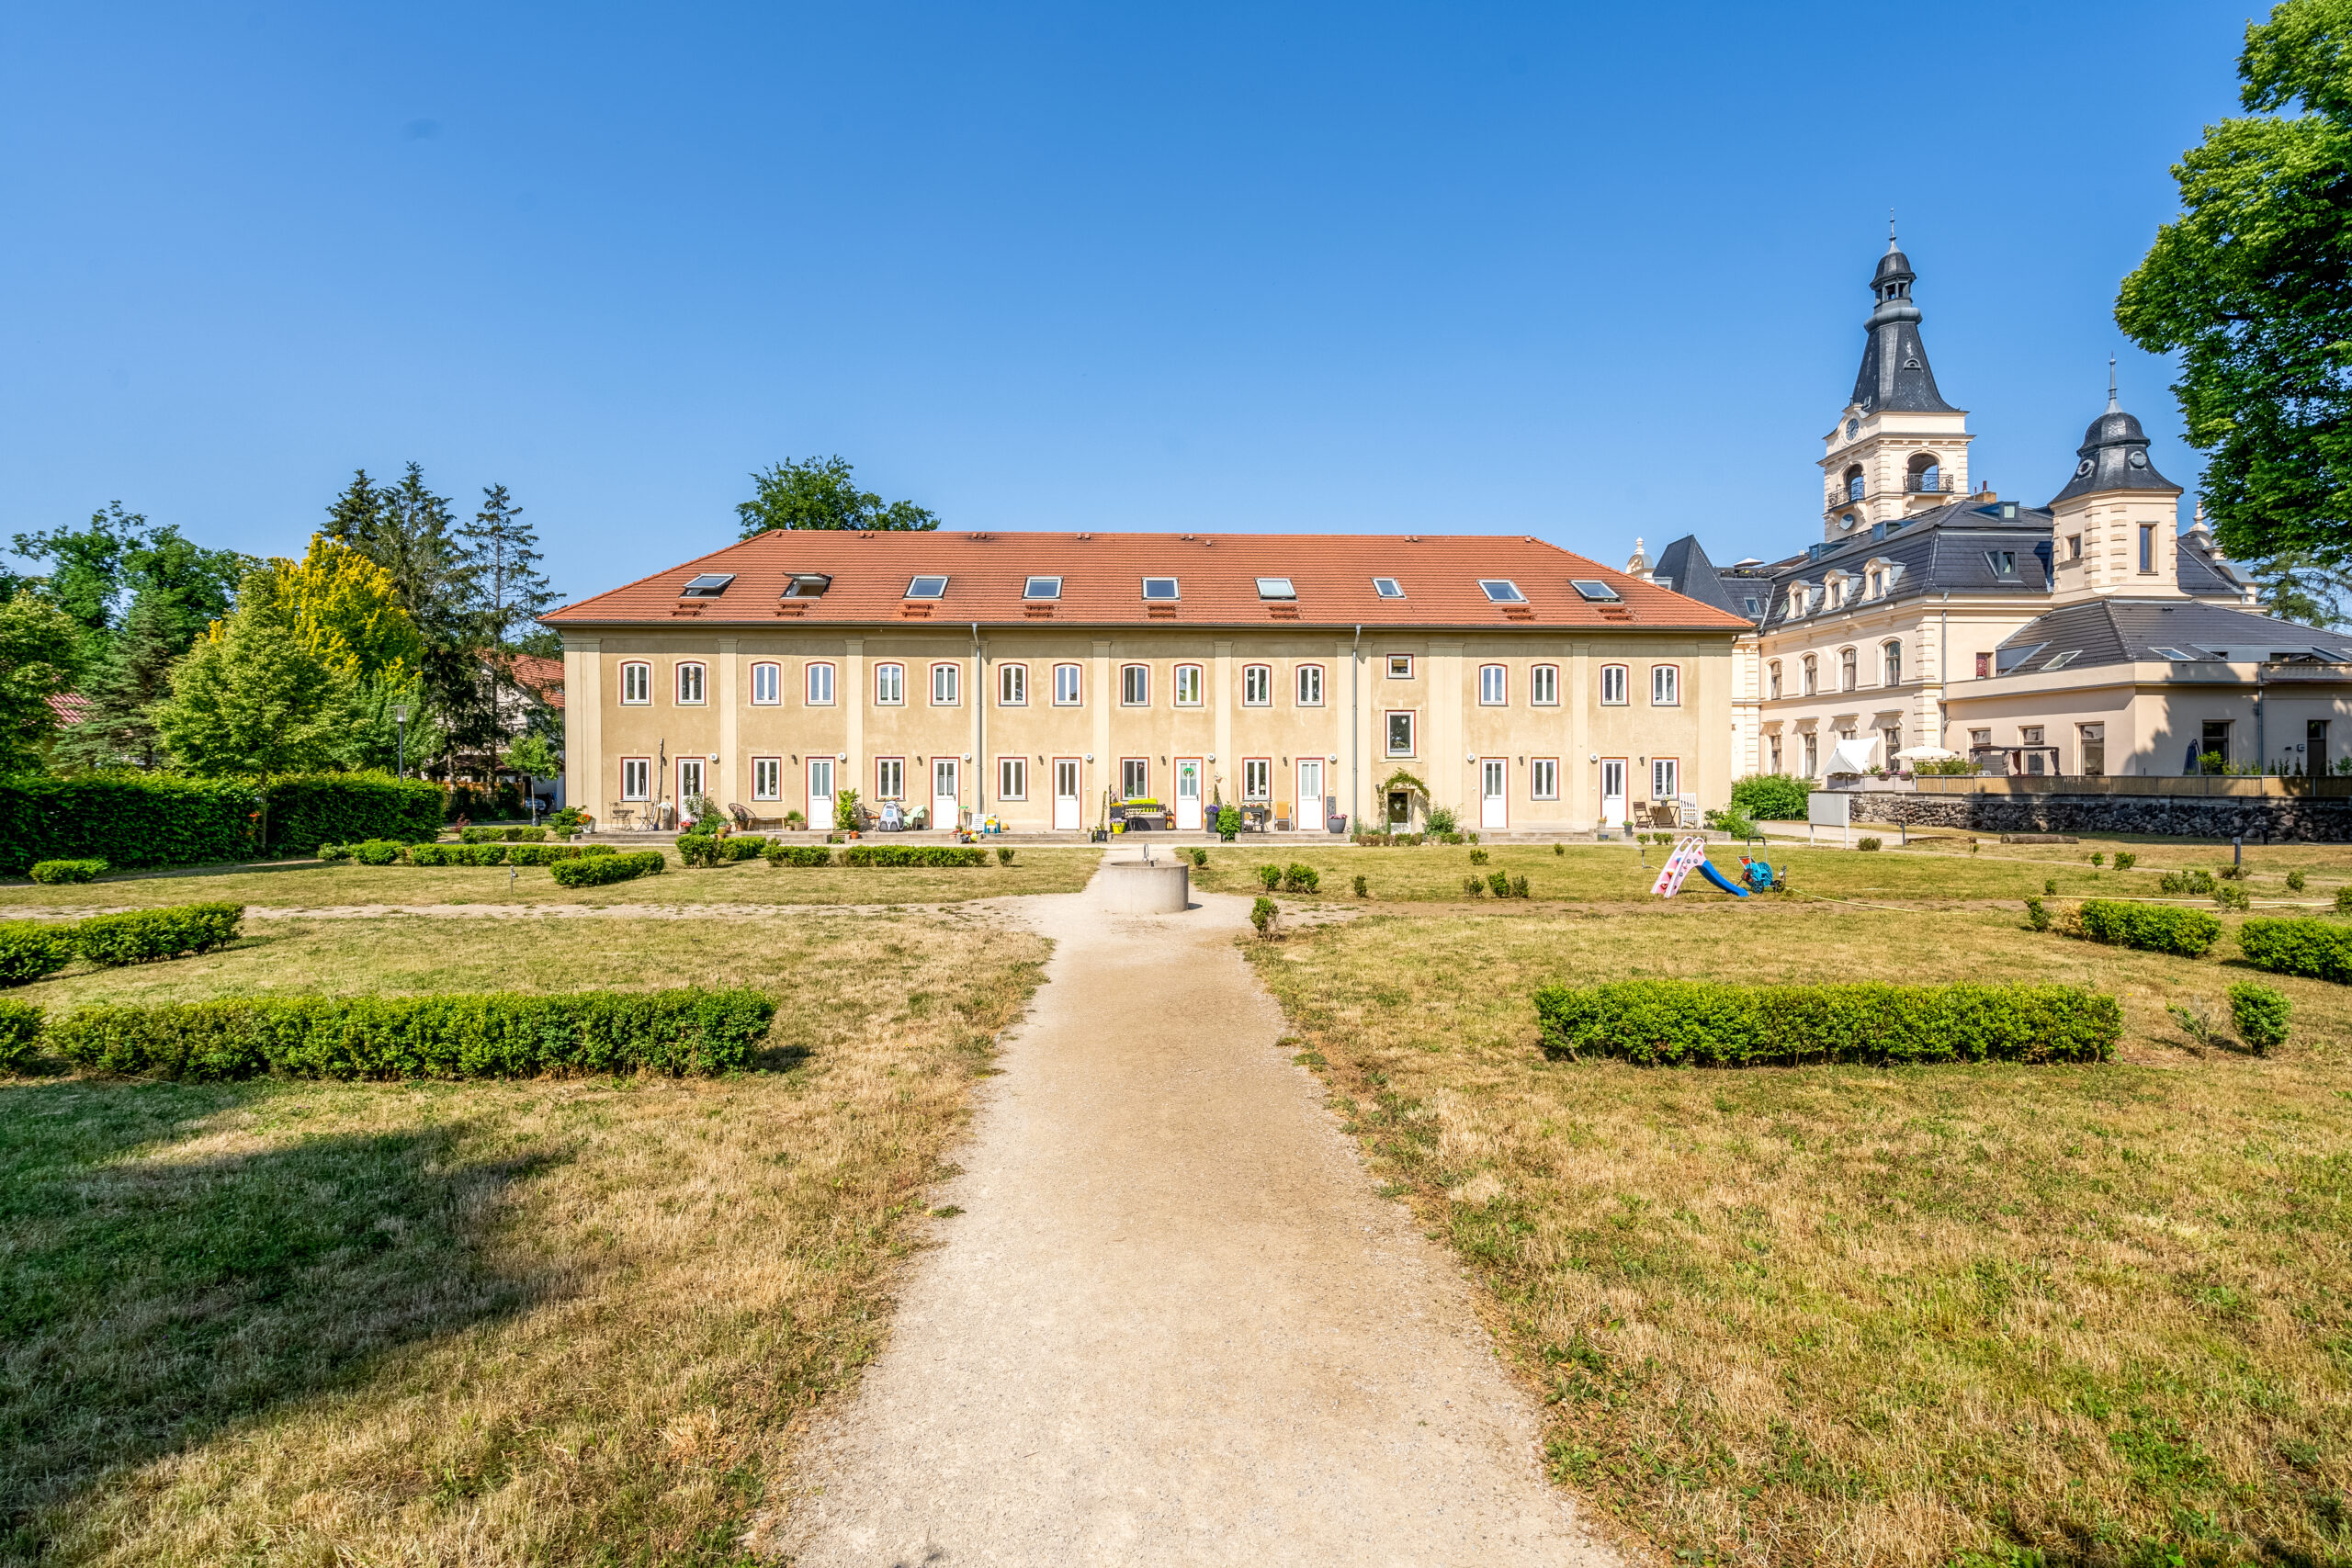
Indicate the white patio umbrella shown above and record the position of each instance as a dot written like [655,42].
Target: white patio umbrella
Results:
[1925,754]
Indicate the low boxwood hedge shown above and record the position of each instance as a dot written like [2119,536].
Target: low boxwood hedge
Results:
[2155,927]
[1707,1024]
[19,1033]
[143,936]
[503,835]
[31,950]
[913,854]
[52,871]
[797,854]
[495,1034]
[2321,950]
[594,870]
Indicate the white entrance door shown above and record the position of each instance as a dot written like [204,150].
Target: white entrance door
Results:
[1188,794]
[690,777]
[1494,793]
[946,804]
[821,793]
[1612,791]
[1310,794]
[1066,795]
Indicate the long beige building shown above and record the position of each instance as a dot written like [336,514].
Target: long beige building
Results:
[1038,678]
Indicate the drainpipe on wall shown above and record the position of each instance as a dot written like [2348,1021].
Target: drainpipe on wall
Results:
[1355,731]
[979,728]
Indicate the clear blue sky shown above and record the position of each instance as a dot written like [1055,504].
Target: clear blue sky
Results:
[1364,267]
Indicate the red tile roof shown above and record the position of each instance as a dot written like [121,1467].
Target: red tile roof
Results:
[1102,583]
[70,707]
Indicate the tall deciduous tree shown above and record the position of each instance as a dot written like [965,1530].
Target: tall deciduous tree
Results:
[2252,285]
[253,697]
[822,493]
[344,607]
[99,569]
[39,648]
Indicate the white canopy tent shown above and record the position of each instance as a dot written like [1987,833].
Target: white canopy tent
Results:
[1853,755]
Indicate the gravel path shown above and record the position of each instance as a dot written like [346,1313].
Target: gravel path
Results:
[1173,1322]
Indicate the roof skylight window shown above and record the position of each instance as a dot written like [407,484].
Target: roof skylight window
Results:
[1387,588]
[2003,562]
[2172,653]
[1502,591]
[710,585]
[1158,588]
[927,588]
[1595,592]
[1276,588]
[807,584]
[2062,659]
[1042,588]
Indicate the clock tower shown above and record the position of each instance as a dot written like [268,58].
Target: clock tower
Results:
[1897,447]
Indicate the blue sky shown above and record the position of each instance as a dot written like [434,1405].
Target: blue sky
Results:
[1583,273]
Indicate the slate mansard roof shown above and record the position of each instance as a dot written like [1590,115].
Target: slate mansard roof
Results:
[2128,631]
[1331,576]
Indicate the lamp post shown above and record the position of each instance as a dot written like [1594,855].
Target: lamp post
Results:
[400,720]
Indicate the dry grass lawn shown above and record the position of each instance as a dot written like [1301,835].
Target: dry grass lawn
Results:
[314,884]
[1947,1315]
[481,1323]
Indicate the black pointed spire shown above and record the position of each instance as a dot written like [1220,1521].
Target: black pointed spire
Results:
[1894,374]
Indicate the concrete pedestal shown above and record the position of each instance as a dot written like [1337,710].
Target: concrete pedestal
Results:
[1132,887]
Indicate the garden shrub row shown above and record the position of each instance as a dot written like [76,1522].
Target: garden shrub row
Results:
[493,1034]
[56,872]
[709,849]
[595,870]
[19,1033]
[2154,928]
[797,854]
[1707,1024]
[131,819]
[503,835]
[2320,950]
[31,950]
[503,854]
[913,854]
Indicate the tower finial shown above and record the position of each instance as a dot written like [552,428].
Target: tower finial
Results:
[1890,245]
[2111,405]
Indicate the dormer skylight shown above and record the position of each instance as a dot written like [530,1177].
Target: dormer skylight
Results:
[927,588]
[710,585]
[1502,591]
[1276,588]
[2059,661]
[807,584]
[1042,588]
[1159,588]
[1593,591]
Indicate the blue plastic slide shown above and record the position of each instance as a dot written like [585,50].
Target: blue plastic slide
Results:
[1707,868]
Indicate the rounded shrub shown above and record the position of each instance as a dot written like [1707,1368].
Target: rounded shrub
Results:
[32,950]
[53,872]
[2259,1015]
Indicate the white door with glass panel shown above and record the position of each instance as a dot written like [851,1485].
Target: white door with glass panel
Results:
[1066,812]
[689,780]
[1612,791]
[946,804]
[820,791]
[1310,794]
[1188,794]
[1494,793]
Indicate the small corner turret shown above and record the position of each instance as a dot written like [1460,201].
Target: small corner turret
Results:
[2115,526]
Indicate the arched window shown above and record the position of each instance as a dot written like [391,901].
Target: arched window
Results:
[1775,671]
[1893,652]
[637,684]
[1923,473]
[768,684]
[1847,671]
[1854,483]
[1257,686]
[1613,685]
[1811,675]
[692,686]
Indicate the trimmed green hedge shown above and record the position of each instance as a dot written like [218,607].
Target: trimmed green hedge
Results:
[1704,1023]
[309,809]
[912,854]
[502,854]
[594,870]
[503,835]
[496,1034]
[52,873]
[1777,797]
[797,854]
[19,1033]
[2318,949]
[143,936]
[131,820]
[31,950]
[2154,928]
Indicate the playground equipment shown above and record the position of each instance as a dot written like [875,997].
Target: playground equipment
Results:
[1691,854]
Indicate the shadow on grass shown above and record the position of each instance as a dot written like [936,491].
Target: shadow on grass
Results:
[154,1289]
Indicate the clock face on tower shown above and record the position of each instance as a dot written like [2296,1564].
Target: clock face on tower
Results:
[1853,428]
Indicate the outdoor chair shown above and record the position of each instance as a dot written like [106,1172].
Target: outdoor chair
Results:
[742,818]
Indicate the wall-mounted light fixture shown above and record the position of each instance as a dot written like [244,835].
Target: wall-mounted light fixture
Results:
[841,756]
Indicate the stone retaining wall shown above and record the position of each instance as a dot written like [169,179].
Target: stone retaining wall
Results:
[2190,817]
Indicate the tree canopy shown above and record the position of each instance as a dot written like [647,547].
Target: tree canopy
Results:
[253,697]
[2252,285]
[822,493]
[39,648]
[342,607]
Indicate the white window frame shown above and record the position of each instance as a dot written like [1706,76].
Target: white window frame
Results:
[767,676]
[946,684]
[1412,731]
[889,684]
[1257,781]
[1135,685]
[816,684]
[1501,591]
[888,771]
[767,778]
[1306,686]
[1174,594]
[1013,778]
[1543,778]
[1013,685]
[1069,685]
[1494,686]
[701,684]
[1620,676]
[1666,772]
[1029,588]
[1196,678]
[1387,588]
[1257,686]
[642,768]
[1400,666]
[1139,767]
[1544,686]
[637,675]
[1665,685]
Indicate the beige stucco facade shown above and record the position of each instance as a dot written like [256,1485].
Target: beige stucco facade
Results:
[983,720]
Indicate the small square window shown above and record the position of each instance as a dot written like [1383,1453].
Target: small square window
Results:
[1502,591]
[1276,588]
[1596,591]
[1387,588]
[2003,562]
[927,588]
[1159,588]
[1400,666]
[1042,588]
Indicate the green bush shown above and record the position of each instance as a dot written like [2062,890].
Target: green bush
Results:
[19,1033]
[2050,887]
[334,851]
[2098,857]
[143,936]
[1270,877]
[913,854]
[127,819]
[1771,797]
[1299,878]
[1449,838]
[548,854]
[741,846]
[1362,887]
[1518,888]
[2317,949]
[53,872]
[2037,914]
[1262,913]
[1707,1024]
[595,870]
[797,854]
[2295,882]
[1866,843]
[496,1034]
[1499,885]
[503,835]
[698,849]
[1478,857]
[2259,1015]
[2125,860]
[377,851]
[1228,821]
[1004,855]
[31,950]
[2233,896]
[2344,899]
[2153,928]
[305,810]
[1475,886]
